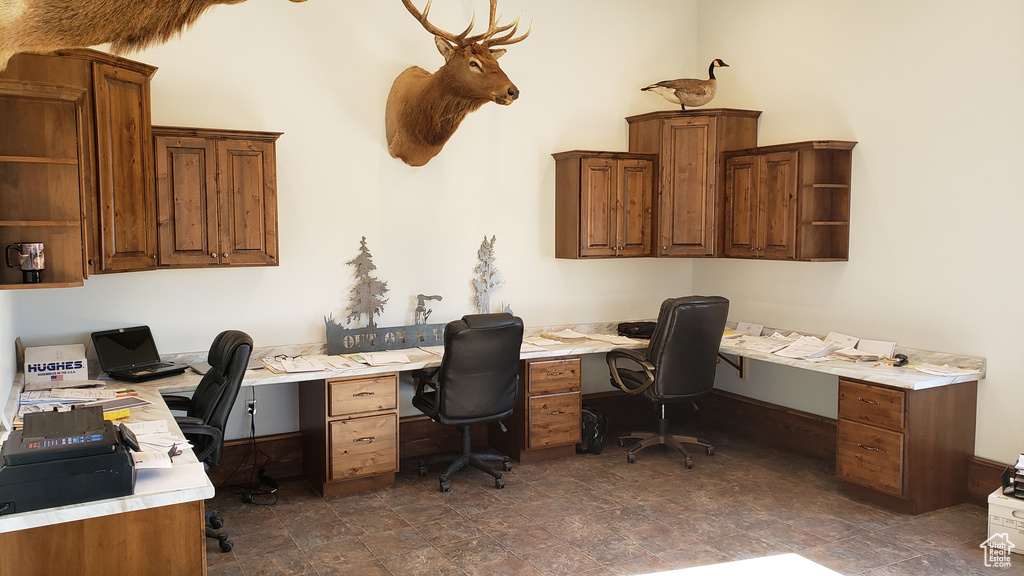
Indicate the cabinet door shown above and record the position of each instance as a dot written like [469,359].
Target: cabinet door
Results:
[126,204]
[742,175]
[186,193]
[778,217]
[598,221]
[247,180]
[633,207]
[686,204]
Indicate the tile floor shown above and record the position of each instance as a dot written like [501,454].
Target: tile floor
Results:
[598,515]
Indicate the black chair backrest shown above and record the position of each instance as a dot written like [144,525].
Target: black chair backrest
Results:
[479,372]
[684,346]
[216,393]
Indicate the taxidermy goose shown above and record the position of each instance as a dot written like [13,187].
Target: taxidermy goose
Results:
[689,91]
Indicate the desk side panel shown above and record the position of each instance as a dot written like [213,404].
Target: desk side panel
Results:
[168,540]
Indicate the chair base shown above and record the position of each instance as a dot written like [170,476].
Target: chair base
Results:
[676,441]
[467,458]
[663,438]
[213,522]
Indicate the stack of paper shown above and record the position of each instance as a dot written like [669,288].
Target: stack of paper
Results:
[612,338]
[772,343]
[945,370]
[806,347]
[567,334]
[381,358]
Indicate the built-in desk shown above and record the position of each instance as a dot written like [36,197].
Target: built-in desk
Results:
[157,530]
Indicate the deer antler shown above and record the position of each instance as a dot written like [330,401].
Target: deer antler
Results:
[463,39]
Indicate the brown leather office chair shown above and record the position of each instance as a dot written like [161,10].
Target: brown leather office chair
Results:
[677,366]
[477,382]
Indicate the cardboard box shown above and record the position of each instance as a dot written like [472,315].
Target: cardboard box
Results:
[1006,516]
[54,364]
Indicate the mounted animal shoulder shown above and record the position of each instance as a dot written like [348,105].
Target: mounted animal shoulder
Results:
[423,109]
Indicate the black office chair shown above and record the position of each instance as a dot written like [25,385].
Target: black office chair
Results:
[677,366]
[476,383]
[206,413]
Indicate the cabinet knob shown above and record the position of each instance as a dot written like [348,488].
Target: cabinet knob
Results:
[213,254]
[664,247]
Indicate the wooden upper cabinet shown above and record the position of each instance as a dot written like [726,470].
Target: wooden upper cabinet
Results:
[216,197]
[603,204]
[117,151]
[688,146]
[788,202]
[41,179]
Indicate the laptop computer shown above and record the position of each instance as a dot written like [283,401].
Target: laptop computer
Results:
[130,354]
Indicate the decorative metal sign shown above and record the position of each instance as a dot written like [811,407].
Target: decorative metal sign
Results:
[345,341]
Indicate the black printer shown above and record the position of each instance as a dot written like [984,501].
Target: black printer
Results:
[61,458]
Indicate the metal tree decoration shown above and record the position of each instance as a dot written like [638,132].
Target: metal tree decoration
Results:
[368,293]
[488,278]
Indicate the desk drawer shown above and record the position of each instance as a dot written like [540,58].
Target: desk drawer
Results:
[364,446]
[872,404]
[870,456]
[554,420]
[553,376]
[362,395]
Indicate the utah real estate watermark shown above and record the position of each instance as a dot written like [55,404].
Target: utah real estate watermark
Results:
[997,550]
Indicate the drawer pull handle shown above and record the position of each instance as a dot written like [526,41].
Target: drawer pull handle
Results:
[869,401]
[357,394]
[867,447]
[555,373]
[367,439]
[556,413]
[1017,513]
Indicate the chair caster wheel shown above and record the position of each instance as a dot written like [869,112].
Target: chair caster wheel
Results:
[225,543]
[630,458]
[506,465]
[499,483]
[445,486]
[689,463]
[711,451]
[423,468]
[216,521]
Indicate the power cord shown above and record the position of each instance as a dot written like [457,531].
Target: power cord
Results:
[252,493]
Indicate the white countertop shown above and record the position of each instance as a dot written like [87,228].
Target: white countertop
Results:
[186,468]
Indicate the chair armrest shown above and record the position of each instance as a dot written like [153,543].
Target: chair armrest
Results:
[636,357]
[196,427]
[424,378]
[177,402]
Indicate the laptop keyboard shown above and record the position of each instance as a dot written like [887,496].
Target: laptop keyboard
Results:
[147,368]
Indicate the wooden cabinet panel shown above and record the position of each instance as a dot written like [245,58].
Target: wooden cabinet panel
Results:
[364,446]
[554,420]
[871,404]
[248,193]
[603,204]
[125,196]
[216,197]
[553,376]
[870,456]
[788,202]
[349,397]
[688,146]
[186,181]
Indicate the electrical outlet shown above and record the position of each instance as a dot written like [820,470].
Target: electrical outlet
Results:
[250,407]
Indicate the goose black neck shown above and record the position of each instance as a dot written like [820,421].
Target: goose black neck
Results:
[711,71]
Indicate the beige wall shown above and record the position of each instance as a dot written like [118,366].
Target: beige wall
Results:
[320,72]
[930,91]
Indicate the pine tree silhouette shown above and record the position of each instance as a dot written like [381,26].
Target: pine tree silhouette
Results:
[367,296]
[488,278]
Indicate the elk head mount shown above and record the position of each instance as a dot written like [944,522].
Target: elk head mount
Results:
[48,25]
[424,109]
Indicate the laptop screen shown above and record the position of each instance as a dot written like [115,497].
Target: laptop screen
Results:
[125,348]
